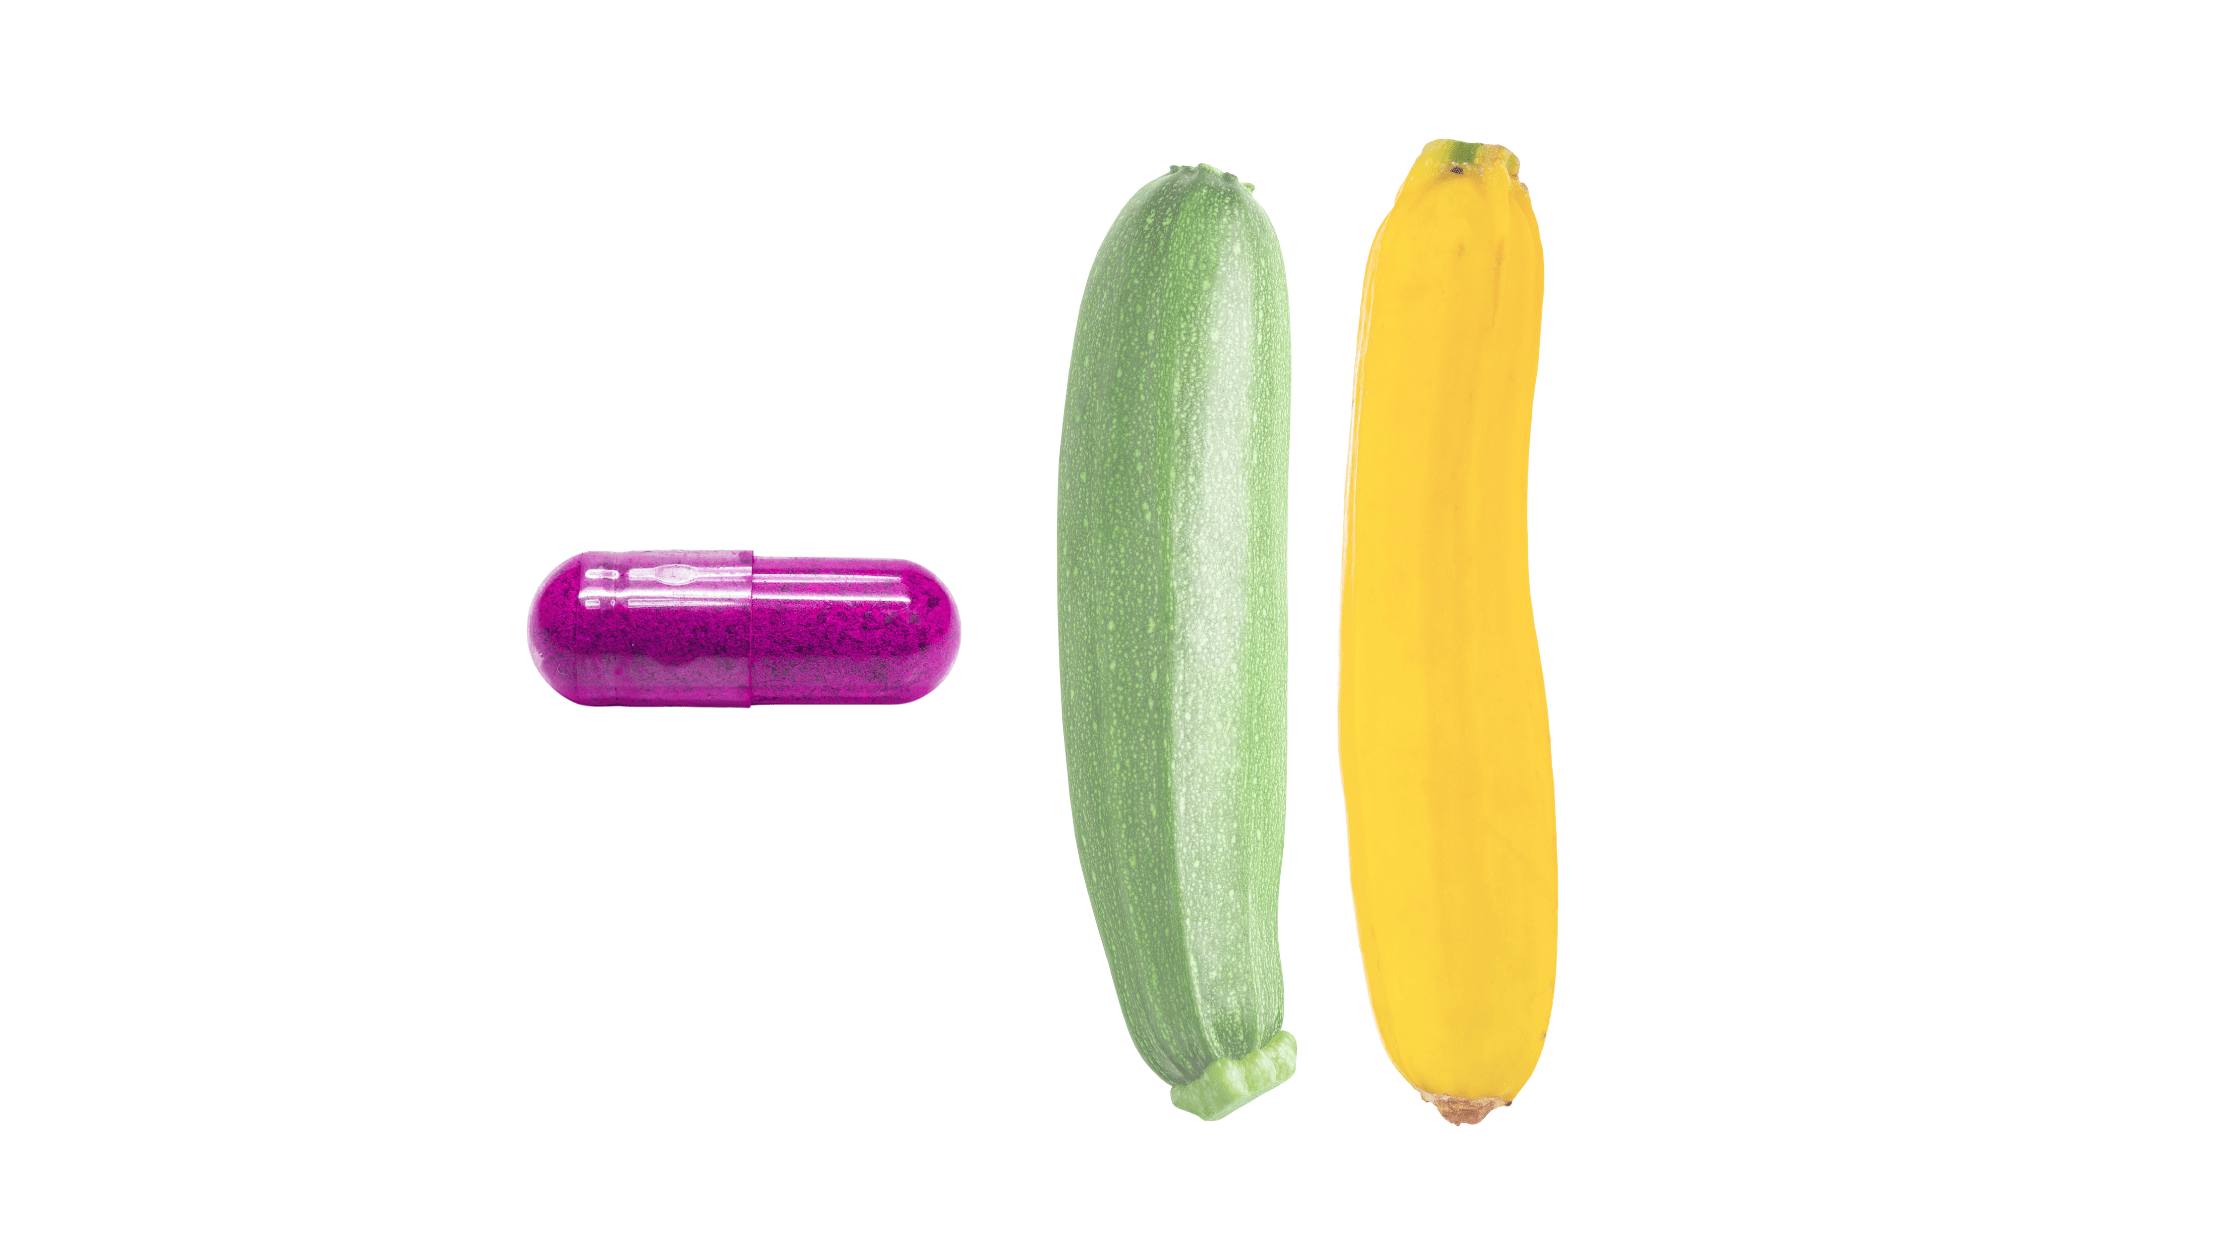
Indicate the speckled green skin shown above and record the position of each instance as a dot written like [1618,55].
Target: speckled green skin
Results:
[1172,485]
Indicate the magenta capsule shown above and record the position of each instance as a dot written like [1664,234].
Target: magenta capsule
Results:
[725,629]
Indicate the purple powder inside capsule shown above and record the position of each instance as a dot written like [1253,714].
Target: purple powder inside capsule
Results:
[721,628]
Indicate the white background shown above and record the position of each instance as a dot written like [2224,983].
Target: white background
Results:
[1882,540]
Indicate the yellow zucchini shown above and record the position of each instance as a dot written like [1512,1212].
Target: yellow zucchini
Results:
[1442,717]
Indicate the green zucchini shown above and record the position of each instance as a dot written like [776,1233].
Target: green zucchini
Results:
[1173,476]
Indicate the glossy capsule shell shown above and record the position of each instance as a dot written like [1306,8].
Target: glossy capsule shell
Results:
[724,629]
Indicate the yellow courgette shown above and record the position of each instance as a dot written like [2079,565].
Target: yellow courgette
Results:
[1442,717]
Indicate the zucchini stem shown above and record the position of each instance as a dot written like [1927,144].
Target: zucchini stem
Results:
[1228,1084]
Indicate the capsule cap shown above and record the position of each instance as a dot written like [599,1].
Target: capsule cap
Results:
[723,629]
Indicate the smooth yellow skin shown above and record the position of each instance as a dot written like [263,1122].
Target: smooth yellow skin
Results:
[1442,718]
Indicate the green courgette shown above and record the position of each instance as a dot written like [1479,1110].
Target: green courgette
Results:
[1173,476]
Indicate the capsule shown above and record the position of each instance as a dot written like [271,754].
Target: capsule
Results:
[723,629]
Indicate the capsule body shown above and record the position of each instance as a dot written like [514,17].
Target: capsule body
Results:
[724,629]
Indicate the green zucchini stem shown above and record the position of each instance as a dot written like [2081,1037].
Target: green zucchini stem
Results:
[1228,1084]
